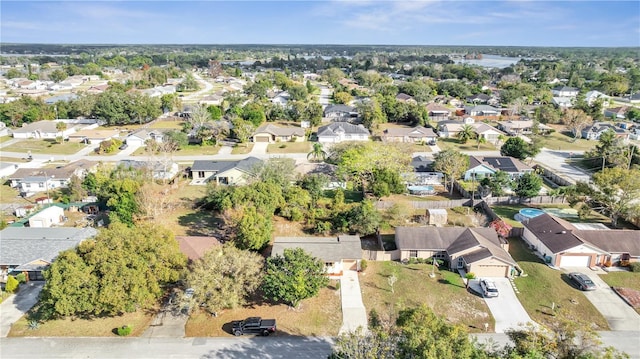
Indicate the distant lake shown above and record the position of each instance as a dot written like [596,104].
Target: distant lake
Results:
[491,61]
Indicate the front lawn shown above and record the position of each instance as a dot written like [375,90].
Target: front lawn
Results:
[242,149]
[471,145]
[446,294]
[95,327]
[318,316]
[188,150]
[622,279]
[564,141]
[543,288]
[5,139]
[45,146]
[168,124]
[289,147]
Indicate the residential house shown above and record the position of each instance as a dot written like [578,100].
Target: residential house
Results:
[61,98]
[563,102]
[438,112]
[342,131]
[212,100]
[50,216]
[418,134]
[634,98]
[140,137]
[271,133]
[422,164]
[403,97]
[591,96]
[30,181]
[521,127]
[472,250]
[451,128]
[195,247]
[481,110]
[340,253]
[42,130]
[489,133]
[281,99]
[480,167]
[478,99]
[564,91]
[93,137]
[4,131]
[97,89]
[7,169]
[223,172]
[594,131]
[32,250]
[159,170]
[340,112]
[616,113]
[563,244]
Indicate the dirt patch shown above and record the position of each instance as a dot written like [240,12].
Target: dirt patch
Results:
[631,296]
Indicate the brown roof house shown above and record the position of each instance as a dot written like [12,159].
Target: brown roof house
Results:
[340,253]
[194,247]
[272,133]
[438,112]
[563,244]
[418,134]
[472,250]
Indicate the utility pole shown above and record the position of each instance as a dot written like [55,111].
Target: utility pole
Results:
[633,148]
[602,162]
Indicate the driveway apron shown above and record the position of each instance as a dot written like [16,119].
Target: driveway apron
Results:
[506,309]
[354,314]
[14,307]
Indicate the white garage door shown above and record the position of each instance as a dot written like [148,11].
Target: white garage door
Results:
[574,261]
[490,271]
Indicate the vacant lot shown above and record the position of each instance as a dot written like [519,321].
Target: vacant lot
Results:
[289,147]
[45,146]
[318,316]
[446,294]
[174,124]
[471,145]
[563,140]
[97,327]
[544,288]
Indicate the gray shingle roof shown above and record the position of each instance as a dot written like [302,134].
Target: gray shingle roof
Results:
[339,108]
[245,165]
[418,131]
[329,249]
[555,233]
[613,241]
[346,127]
[20,245]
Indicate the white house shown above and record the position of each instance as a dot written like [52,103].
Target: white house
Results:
[342,131]
[139,137]
[42,130]
[564,91]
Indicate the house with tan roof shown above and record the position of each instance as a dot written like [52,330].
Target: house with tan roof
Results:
[472,250]
[93,136]
[438,112]
[418,134]
[271,133]
[521,127]
[42,130]
[563,244]
[33,180]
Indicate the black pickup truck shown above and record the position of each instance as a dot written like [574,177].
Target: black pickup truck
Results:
[254,325]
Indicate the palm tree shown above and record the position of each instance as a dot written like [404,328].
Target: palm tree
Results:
[466,133]
[317,152]
[480,140]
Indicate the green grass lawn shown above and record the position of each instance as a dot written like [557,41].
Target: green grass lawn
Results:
[446,294]
[544,287]
[471,145]
[10,195]
[507,213]
[242,149]
[167,124]
[5,139]
[564,141]
[188,150]
[289,147]
[622,279]
[45,146]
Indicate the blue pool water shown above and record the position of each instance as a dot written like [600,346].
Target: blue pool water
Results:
[531,212]
[420,190]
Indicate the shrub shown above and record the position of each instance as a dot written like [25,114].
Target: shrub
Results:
[34,324]
[22,278]
[12,284]
[124,330]
[634,267]
[470,276]
[283,146]
[363,265]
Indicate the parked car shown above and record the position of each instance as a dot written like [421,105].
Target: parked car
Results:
[582,281]
[254,325]
[123,146]
[489,288]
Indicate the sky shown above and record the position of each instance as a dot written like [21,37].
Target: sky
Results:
[380,22]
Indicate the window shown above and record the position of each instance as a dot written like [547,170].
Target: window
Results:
[41,184]
[201,174]
[413,254]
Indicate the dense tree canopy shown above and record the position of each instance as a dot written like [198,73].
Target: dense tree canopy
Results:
[452,163]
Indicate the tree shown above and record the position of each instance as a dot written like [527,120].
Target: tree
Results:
[497,183]
[466,133]
[12,284]
[528,185]
[515,147]
[616,192]
[314,183]
[58,75]
[242,129]
[480,140]
[252,228]
[189,83]
[342,97]
[293,276]
[119,271]
[225,277]
[452,163]
[610,151]
[576,120]
[633,114]
[371,114]
[298,92]
[317,152]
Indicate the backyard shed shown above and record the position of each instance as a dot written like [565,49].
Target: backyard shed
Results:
[437,216]
[47,217]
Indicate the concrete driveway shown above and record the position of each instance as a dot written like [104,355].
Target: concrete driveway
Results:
[354,314]
[505,308]
[14,307]
[619,315]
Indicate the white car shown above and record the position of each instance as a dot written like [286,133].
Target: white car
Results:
[489,288]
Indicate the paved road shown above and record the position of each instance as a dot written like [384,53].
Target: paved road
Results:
[14,307]
[175,348]
[556,160]
[506,309]
[623,341]
[198,94]
[619,315]
[325,94]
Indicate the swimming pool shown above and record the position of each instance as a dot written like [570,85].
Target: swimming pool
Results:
[421,190]
[527,213]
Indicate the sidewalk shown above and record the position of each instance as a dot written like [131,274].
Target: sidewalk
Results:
[354,314]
